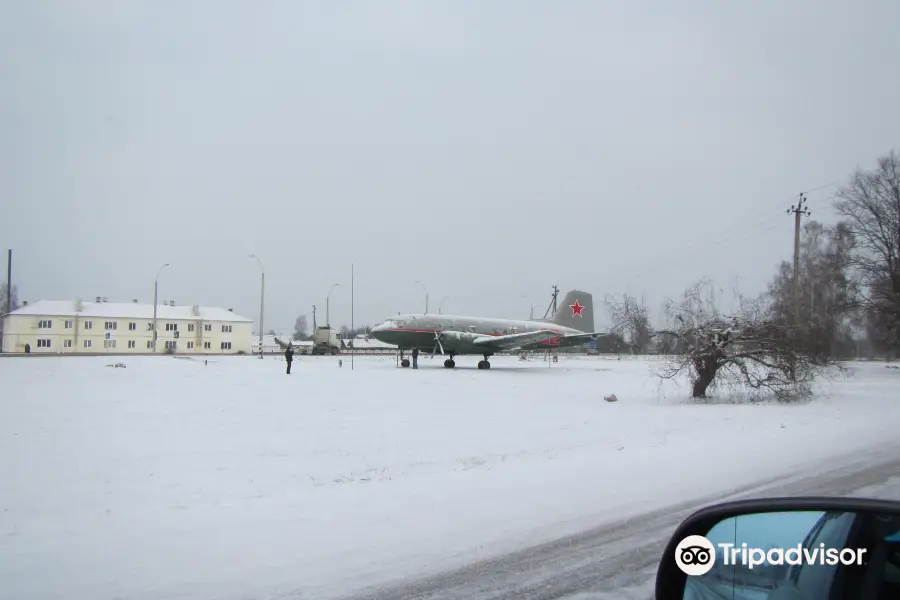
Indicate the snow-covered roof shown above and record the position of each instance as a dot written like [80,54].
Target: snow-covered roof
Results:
[128,310]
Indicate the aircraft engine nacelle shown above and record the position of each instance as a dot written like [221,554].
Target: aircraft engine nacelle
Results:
[453,340]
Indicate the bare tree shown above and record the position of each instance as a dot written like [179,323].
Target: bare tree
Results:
[13,296]
[870,205]
[300,329]
[820,308]
[13,301]
[749,348]
[630,320]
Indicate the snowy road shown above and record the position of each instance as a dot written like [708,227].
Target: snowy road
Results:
[619,561]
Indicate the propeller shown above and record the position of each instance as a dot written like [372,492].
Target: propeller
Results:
[438,335]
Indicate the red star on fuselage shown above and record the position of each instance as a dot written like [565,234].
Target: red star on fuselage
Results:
[576,308]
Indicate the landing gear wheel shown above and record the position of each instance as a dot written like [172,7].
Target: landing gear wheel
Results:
[483,364]
[404,363]
[449,363]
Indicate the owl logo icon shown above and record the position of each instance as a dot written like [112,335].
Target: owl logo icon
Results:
[695,555]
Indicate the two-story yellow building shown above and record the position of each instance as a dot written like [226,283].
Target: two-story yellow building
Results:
[75,327]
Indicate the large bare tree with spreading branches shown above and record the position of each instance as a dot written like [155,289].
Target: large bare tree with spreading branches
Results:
[870,207]
[748,348]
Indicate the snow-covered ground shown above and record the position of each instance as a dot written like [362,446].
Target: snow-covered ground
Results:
[173,478]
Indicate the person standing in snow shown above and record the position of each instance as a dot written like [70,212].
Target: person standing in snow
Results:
[289,357]
[415,355]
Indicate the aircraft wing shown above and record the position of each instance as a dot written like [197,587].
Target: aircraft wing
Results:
[567,340]
[580,338]
[282,345]
[514,340]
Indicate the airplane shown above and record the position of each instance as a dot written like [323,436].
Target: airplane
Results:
[572,325]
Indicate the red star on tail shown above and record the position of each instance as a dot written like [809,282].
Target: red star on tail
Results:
[576,308]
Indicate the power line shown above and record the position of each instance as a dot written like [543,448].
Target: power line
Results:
[674,256]
[721,244]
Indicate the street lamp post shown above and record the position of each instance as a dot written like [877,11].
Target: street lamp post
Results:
[155,304]
[426,295]
[531,314]
[262,302]
[328,305]
[441,305]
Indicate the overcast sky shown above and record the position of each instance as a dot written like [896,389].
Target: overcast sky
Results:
[490,149]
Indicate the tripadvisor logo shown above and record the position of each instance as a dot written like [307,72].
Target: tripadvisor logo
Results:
[695,555]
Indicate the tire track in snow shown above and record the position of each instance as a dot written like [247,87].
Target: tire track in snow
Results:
[616,560]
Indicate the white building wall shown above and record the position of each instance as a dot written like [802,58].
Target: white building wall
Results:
[112,329]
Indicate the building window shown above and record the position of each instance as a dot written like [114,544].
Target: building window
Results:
[226,328]
[67,344]
[132,343]
[111,325]
[149,345]
[190,326]
[190,345]
[109,343]
[68,324]
[88,324]
[226,345]
[45,324]
[170,345]
[207,327]
[132,326]
[87,343]
[43,343]
[207,345]
[171,326]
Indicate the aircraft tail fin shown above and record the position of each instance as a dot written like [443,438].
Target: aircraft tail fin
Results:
[576,311]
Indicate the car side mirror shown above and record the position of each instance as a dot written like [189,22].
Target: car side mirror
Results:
[806,548]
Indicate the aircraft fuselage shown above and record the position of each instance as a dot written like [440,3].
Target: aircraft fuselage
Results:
[457,332]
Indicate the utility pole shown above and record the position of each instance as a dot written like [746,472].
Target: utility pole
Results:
[9,307]
[156,303]
[798,211]
[352,322]
[314,319]
[262,302]
[552,303]
[328,306]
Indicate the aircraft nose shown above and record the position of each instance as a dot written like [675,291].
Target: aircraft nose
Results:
[379,328]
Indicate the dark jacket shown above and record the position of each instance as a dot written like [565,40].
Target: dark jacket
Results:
[289,354]
[415,352]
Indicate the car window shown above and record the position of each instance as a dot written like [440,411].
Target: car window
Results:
[814,581]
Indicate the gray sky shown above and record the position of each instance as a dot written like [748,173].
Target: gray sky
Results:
[489,148]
